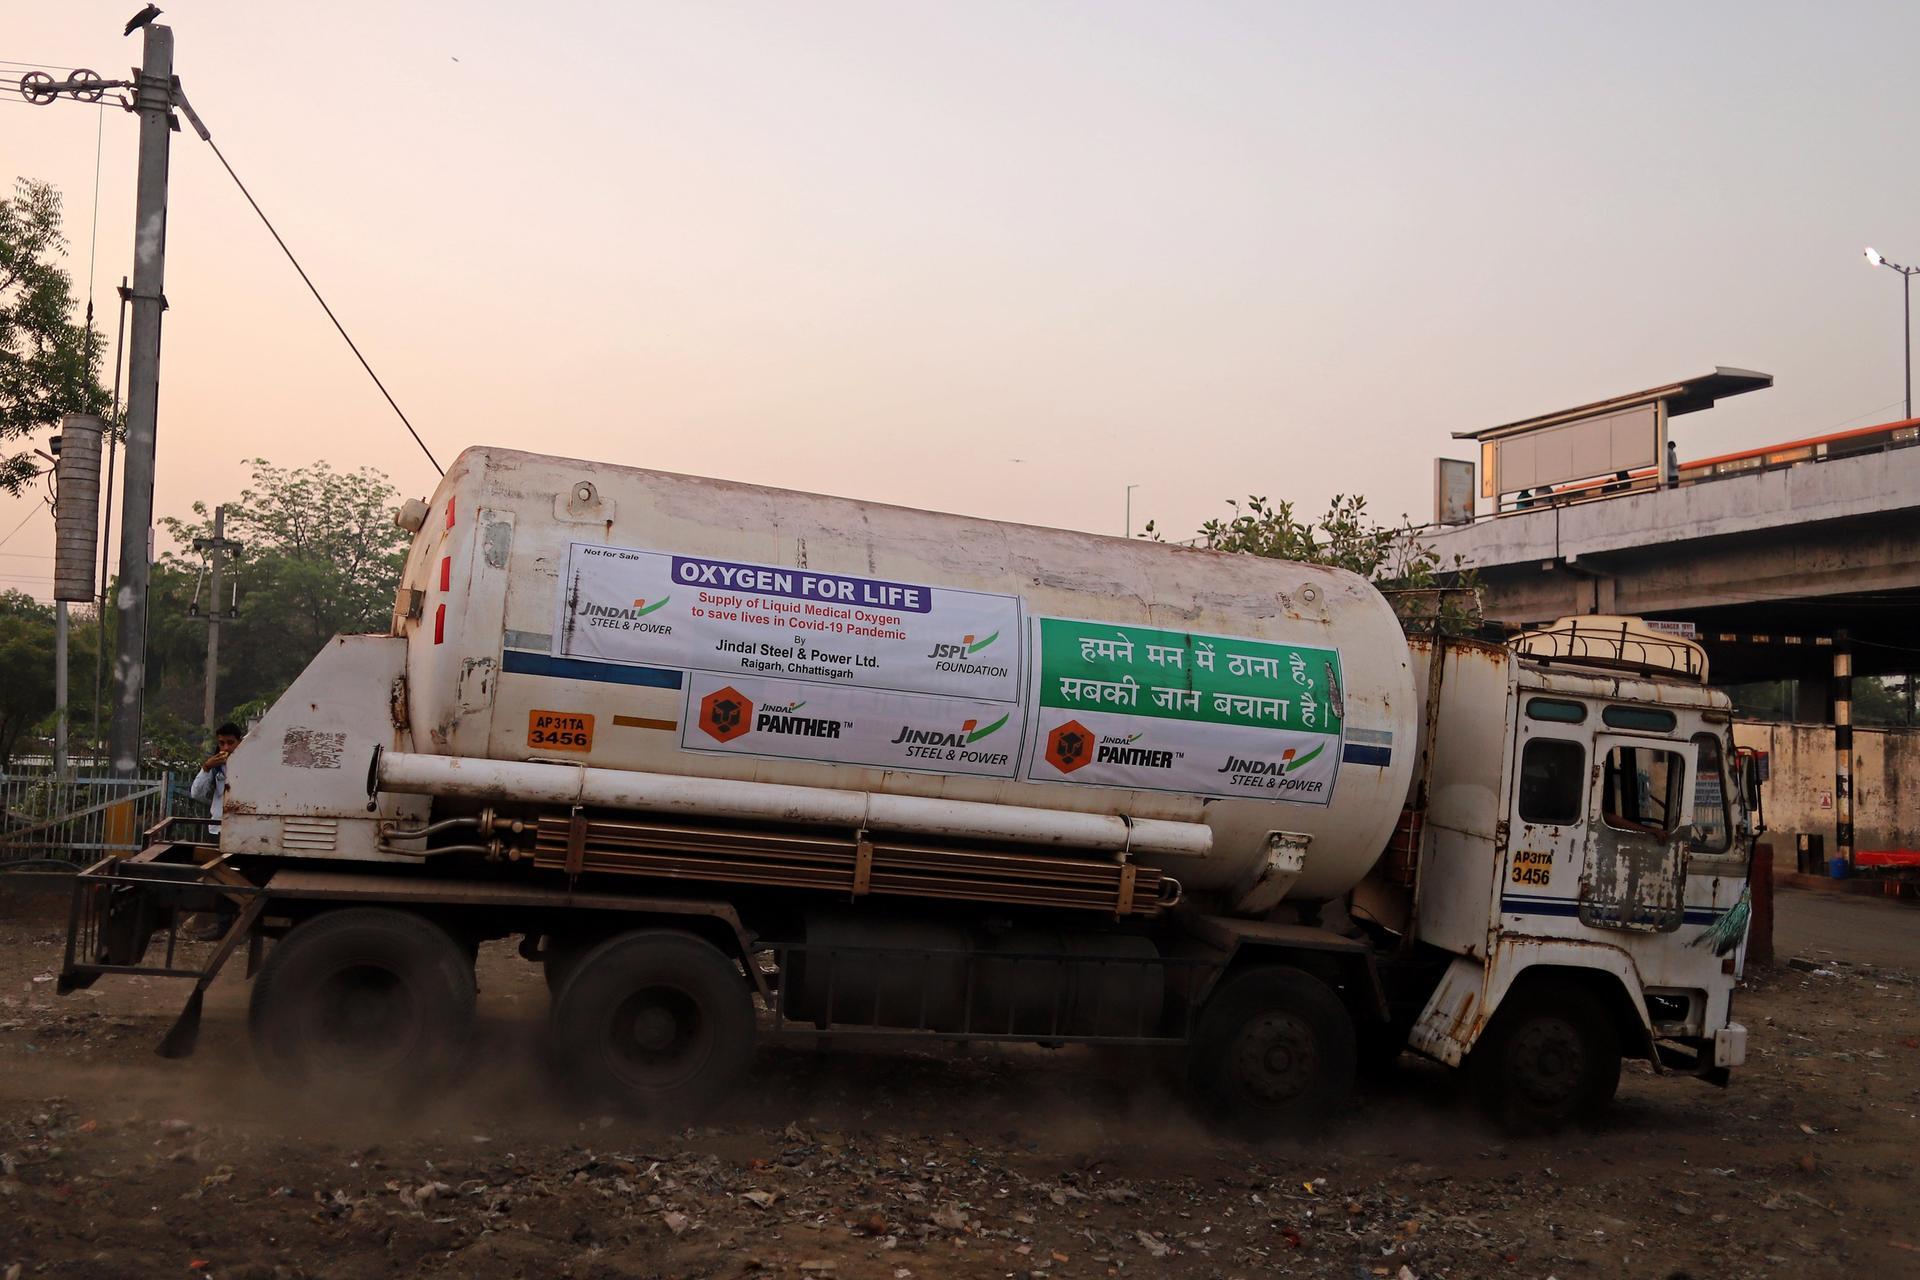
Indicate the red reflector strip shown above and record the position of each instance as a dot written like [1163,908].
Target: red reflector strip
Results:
[446,573]
[439,624]
[449,513]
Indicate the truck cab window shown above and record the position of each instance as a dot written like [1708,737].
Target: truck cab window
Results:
[1710,814]
[1642,790]
[1552,781]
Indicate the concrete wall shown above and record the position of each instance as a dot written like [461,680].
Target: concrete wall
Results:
[1886,785]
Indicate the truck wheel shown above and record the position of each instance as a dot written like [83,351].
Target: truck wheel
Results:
[1551,1057]
[363,1000]
[1273,1051]
[657,1021]
[563,957]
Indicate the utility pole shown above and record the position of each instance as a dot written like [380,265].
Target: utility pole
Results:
[1906,325]
[216,548]
[153,99]
[60,690]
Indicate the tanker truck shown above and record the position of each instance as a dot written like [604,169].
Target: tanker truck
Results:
[734,763]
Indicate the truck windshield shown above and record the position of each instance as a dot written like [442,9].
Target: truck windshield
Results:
[1642,790]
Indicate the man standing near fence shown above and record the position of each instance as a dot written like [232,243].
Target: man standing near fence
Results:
[210,784]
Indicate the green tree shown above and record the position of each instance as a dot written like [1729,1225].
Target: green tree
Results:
[26,669]
[49,366]
[1425,589]
[1882,701]
[320,556]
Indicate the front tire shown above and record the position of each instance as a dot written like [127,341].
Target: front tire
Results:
[1273,1052]
[1550,1058]
[363,1001]
[657,1021]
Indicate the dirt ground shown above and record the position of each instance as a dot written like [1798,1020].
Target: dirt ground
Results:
[884,1166]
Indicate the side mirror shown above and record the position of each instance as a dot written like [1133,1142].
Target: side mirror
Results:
[1750,786]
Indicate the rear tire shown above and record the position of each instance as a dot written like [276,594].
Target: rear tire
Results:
[563,956]
[1550,1058]
[1273,1052]
[656,1021]
[363,1001]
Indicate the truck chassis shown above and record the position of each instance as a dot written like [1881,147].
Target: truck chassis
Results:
[1267,1011]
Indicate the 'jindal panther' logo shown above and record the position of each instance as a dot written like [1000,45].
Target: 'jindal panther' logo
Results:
[1069,746]
[725,714]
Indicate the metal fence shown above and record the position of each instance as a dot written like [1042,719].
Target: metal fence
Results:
[80,820]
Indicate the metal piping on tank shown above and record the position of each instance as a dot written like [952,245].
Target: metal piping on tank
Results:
[515,782]
[485,821]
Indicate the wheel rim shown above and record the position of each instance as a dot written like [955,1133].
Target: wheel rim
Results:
[1547,1061]
[364,1017]
[1276,1057]
[656,1038]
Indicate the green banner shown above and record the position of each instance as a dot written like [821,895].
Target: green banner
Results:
[1178,675]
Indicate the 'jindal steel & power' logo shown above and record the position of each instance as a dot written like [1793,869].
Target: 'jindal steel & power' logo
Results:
[610,617]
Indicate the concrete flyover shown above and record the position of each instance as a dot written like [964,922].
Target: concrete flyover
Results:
[1769,565]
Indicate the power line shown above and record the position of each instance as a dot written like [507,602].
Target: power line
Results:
[206,137]
[1856,417]
[12,101]
[1876,644]
[17,528]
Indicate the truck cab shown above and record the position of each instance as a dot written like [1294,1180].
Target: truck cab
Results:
[1581,893]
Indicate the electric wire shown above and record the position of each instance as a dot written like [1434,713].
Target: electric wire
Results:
[313,289]
[23,524]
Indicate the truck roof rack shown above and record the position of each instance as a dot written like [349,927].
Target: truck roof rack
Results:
[1613,642]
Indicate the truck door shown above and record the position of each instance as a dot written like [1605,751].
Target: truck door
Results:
[1639,822]
[1547,832]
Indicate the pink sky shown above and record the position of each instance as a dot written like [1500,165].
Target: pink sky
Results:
[886,250]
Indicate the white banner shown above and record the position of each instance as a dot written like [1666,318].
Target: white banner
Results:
[1109,749]
[655,608]
[835,724]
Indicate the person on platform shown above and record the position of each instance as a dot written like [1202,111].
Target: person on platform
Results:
[210,788]
[210,784]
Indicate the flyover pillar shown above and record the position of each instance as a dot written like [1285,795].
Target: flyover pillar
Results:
[1843,749]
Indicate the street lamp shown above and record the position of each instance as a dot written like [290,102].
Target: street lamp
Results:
[1906,288]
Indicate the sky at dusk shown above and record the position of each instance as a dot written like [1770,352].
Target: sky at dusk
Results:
[994,258]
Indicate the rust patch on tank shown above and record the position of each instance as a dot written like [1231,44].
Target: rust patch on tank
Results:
[312,749]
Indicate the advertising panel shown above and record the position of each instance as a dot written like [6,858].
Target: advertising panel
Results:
[1125,706]
[792,719]
[659,609]
[803,665]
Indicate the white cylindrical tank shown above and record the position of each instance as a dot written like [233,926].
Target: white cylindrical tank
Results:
[627,619]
